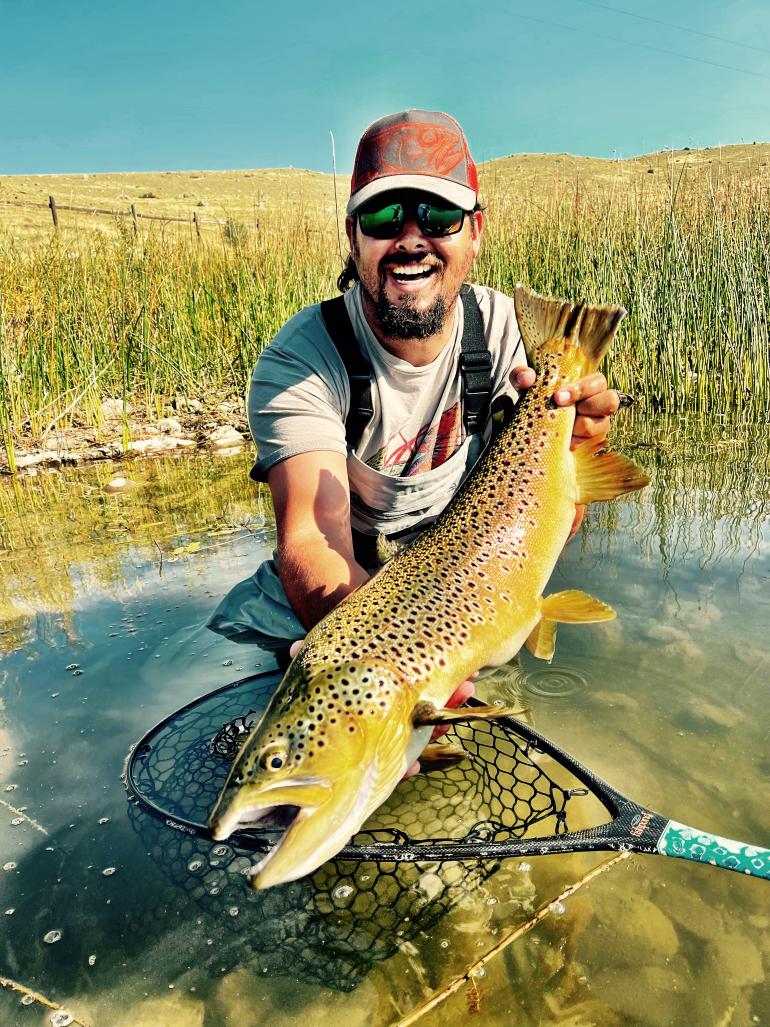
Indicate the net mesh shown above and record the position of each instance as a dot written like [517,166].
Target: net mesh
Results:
[353,912]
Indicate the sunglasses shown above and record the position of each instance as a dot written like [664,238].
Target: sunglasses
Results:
[433,219]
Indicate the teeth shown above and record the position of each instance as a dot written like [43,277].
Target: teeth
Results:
[414,272]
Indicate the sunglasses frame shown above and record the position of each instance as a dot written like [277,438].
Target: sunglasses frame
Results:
[414,207]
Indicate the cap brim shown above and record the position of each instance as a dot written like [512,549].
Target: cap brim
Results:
[452,192]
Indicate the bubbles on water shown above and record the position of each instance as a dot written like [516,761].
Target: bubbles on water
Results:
[11,788]
[233,911]
[227,663]
[10,865]
[109,871]
[344,891]
[55,695]
[72,666]
[220,850]
[52,937]
[61,1018]
[77,673]
[194,865]
[103,820]
[22,763]
[27,1000]
[444,944]
[10,911]
[479,972]
[553,684]
[16,821]
[524,867]
[558,908]
[92,960]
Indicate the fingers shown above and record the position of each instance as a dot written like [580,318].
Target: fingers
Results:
[523,377]
[583,389]
[414,769]
[295,647]
[589,428]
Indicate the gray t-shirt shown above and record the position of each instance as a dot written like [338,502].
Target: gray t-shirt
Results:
[299,394]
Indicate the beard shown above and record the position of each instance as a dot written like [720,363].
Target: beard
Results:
[402,321]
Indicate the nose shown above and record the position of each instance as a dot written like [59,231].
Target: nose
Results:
[411,236]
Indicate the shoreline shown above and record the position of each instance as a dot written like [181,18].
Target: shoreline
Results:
[128,434]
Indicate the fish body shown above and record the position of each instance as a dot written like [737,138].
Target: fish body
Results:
[359,700]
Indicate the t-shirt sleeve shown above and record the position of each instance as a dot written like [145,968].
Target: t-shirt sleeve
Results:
[298,394]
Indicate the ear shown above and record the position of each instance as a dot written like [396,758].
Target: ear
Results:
[350,231]
[476,219]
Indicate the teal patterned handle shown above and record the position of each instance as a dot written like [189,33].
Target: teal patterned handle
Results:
[702,847]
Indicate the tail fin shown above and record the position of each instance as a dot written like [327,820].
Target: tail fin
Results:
[543,319]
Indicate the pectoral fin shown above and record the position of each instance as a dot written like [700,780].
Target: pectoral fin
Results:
[441,756]
[569,607]
[426,713]
[604,476]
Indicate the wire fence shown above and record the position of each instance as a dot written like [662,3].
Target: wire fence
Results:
[195,220]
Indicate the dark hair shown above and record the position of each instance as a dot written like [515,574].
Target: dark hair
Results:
[349,274]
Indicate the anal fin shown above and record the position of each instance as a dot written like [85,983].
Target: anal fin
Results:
[542,640]
[569,607]
[606,475]
[575,607]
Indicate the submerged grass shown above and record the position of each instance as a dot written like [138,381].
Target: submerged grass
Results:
[83,318]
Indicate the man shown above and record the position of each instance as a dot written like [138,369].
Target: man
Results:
[368,415]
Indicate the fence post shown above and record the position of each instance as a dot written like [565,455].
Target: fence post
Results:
[54,212]
[133,218]
[197,225]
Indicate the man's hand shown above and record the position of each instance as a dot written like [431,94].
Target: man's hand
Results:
[461,694]
[594,402]
[594,406]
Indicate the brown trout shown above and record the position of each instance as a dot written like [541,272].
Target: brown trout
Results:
[358,702]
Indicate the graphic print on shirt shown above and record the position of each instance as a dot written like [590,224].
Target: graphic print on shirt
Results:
[430,447]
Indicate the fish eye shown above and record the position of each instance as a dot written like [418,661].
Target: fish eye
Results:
[273,759]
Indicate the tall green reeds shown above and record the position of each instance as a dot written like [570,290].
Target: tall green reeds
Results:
[148,319]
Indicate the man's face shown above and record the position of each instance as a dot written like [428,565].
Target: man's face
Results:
[410,283]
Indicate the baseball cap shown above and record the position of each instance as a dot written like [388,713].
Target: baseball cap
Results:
[414,149]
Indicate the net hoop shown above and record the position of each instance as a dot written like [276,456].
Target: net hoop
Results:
[400,847]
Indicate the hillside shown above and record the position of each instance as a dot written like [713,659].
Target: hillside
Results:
[274,195]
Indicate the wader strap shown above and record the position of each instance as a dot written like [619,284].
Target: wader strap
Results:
[475,365]
[339,327]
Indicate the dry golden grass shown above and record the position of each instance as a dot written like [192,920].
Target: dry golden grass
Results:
[276,196]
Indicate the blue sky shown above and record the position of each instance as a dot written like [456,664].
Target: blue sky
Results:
[106,86]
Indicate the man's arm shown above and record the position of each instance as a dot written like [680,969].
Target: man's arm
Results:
[316,564]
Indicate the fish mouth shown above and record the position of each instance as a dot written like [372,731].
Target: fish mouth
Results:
[277,806]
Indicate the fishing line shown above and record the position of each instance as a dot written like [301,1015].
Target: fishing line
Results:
[670,25]
[639,46]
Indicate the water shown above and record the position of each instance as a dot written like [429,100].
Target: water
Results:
[100,610]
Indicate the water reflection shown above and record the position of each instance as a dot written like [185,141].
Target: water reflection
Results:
[671,709]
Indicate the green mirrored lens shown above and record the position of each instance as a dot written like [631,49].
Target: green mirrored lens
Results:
[385,222]
[439,220]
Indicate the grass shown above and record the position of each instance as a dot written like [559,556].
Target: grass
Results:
[85,315]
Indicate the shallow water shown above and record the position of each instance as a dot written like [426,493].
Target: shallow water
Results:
[101,603]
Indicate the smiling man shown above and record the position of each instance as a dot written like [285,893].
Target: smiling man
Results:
[369,410]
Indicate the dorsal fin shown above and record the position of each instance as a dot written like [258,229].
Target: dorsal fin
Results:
[543,320]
